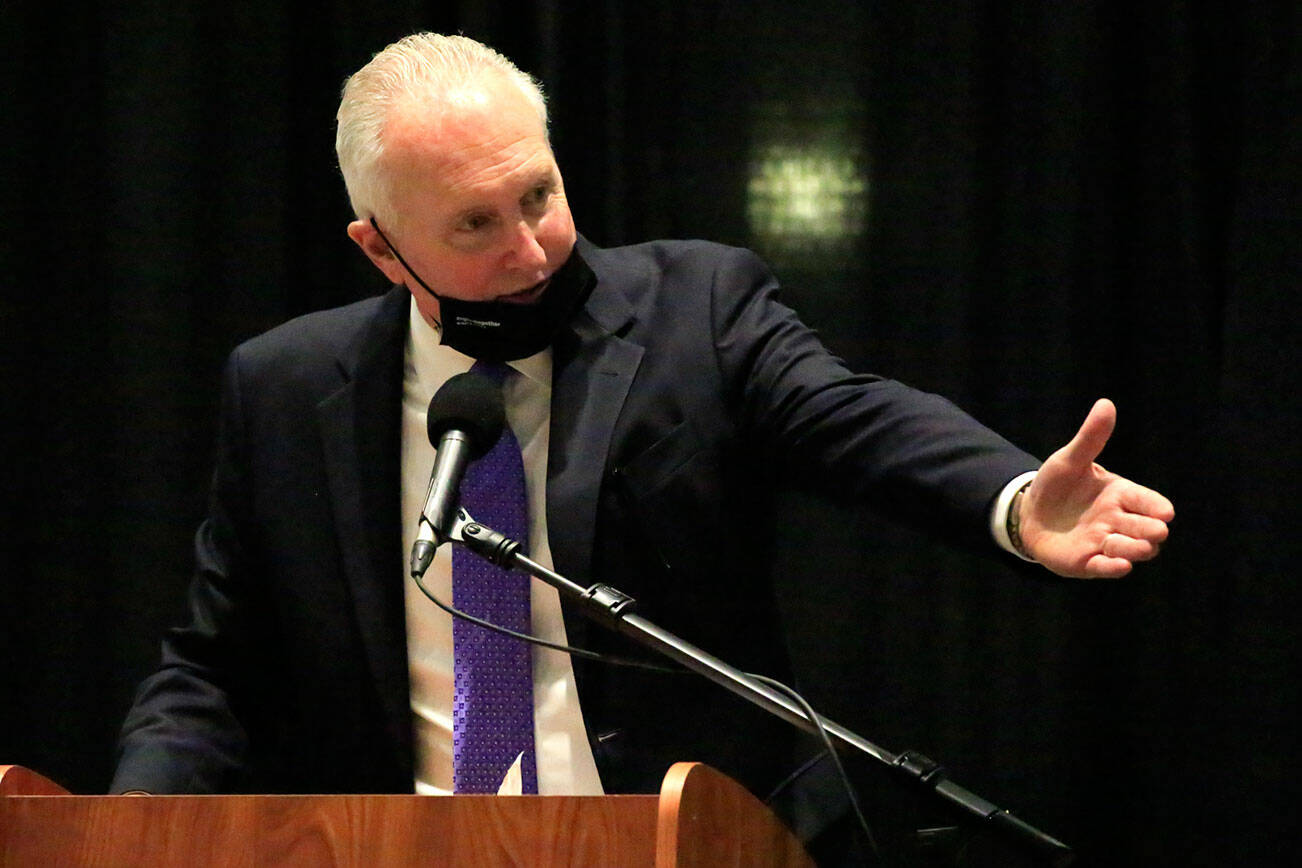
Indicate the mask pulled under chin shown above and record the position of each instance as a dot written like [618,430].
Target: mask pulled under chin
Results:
[496,331]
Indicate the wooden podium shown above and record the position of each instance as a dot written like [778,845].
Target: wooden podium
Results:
[701,818]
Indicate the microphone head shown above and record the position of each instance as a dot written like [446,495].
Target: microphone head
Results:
[471,403]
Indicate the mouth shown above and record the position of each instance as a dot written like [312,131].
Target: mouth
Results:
[528,295]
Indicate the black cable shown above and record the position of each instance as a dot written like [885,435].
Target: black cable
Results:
[810,714]
[832,754]
[555,646]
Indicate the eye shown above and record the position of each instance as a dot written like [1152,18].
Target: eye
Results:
[537,196]
[475,222]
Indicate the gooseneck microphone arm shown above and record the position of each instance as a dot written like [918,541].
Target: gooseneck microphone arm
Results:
[464,419]
[614,608]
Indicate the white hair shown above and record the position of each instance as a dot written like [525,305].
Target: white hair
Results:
[424,67]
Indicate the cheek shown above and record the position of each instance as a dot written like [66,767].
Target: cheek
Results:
[473,281]
[468,271]
[463,277]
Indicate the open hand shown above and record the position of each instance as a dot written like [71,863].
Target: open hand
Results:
[1077,519]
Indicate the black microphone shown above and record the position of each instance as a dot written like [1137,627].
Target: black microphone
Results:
[464,420]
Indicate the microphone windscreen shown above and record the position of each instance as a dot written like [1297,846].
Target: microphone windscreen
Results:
[471,403]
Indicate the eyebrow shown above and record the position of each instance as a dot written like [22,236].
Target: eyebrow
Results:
[542,178]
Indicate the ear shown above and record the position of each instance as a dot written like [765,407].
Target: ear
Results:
[365,237]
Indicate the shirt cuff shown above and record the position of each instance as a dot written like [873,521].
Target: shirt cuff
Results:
[999,513]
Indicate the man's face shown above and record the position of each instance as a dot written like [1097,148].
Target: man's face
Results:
[480,209]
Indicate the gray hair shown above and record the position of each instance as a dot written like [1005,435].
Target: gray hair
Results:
[424,67]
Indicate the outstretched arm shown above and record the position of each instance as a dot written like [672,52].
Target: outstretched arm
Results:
[1080,520]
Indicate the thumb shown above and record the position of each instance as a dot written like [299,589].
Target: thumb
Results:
[1093,434]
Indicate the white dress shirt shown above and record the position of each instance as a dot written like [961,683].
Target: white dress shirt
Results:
[565,763]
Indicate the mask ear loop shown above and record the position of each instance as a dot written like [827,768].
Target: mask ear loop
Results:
[394,251]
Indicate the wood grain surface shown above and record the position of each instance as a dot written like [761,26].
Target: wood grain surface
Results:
[701,819]
[326,830]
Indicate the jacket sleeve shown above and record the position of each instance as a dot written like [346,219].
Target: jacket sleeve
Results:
[183,734]
[855,437]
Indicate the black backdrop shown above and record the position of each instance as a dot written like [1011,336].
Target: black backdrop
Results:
[1040,204]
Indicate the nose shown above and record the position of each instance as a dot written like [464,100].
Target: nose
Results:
[525,249]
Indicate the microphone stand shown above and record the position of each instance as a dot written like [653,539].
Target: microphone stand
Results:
[613,608]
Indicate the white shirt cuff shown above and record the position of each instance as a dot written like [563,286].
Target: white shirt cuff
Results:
[999,514]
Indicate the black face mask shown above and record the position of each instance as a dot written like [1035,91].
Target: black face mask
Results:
[498,331]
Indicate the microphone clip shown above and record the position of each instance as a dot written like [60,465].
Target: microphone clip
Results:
[497,548]
[494,547]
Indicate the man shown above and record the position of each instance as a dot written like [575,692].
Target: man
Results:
[655,392]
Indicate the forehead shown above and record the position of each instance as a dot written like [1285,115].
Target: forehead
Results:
[476,137]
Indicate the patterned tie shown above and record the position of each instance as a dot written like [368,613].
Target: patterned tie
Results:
[492,710]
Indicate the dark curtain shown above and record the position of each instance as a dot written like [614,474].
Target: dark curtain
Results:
[1021,205]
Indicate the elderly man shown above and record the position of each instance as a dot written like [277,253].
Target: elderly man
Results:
[655,393]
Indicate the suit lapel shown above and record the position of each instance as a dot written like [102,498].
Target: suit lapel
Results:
[593,368]
[360,433]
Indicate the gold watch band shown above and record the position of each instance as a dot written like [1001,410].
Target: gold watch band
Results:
[1014,521]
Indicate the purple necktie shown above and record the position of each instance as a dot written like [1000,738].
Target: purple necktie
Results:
[492,709]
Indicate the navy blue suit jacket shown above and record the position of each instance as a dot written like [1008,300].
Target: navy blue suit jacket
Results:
[681,393]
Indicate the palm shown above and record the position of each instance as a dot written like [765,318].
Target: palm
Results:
[1081,520]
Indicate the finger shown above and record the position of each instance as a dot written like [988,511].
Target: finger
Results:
[1093,434]
[1146,501]
[1104,567]
[1141,527]
[1117,545]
